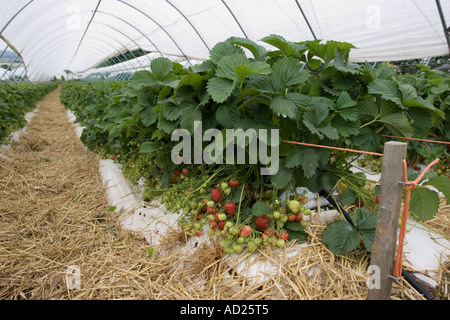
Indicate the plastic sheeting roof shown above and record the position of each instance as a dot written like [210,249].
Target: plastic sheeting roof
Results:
[57,35]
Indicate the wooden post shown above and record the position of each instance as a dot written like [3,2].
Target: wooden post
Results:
[383,250]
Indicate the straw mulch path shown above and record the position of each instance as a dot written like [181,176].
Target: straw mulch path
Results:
[54,215]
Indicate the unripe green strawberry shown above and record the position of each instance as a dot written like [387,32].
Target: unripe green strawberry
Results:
[294,205]
[238,248]
[224,185]
[251,247]
[280,243]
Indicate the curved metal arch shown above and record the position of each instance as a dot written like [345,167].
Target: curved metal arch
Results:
[137,29]
[445,28]
[39,71]
[48,5]
[48,56]
[14,17]
[306,19]
[190,23]
[114,39]
[86,30]
[52,39]
[132,40]
[123,46]
[46,59]
[45,41]
[163,29]
[234,17]
[37,58]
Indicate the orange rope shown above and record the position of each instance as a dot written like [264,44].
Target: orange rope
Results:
[334,148]
[416,139]
[409,185]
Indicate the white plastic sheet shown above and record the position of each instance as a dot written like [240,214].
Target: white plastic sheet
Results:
[57,35]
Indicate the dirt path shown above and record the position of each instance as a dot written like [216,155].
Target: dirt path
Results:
[54,216]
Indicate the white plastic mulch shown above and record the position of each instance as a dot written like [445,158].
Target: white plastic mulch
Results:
[423,250]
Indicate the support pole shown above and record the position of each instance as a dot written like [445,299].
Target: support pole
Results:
[391,194]
[444,24]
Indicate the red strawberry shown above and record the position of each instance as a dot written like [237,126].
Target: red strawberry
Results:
[262,222]
[246,231]
[284,236]
[213,224]
[234,183]
[216,194]
[230,208]
[359,203]
[185,172]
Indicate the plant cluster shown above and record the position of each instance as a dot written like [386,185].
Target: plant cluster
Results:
[309,91]
[16,99]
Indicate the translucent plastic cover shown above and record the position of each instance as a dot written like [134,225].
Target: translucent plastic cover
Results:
[77,35]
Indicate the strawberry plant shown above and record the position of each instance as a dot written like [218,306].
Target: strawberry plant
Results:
[309,91]
[342,237]
[16,99]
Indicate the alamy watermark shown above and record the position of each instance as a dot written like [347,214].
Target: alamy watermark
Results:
[230,146]
[373,281]
[73,21]
[73,278]
[373,22]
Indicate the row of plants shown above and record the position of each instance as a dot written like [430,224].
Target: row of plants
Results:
[309,91]
[17,99]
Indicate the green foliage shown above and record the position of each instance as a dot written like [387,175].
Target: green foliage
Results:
[341,237]
[16,99]
[310,91]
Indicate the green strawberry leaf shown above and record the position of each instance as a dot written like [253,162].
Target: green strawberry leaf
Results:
[441,183]
[260,208]
[281,178]
[148,147]
[227,115]
[424,204]
[161,67]
[341,237]
[220,88]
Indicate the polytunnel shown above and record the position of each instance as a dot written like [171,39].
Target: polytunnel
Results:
[77,35]
[224,150]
